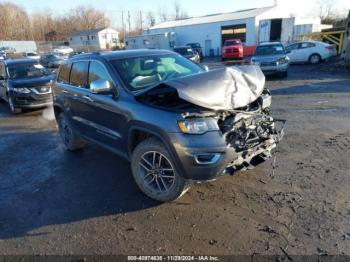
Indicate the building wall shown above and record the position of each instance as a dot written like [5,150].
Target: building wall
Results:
[208,35]
[107,37]
[101,40]
[20,46]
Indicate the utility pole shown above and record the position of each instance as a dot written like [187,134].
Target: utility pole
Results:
[275,2]
[123,25]
[141,22]
[129,22]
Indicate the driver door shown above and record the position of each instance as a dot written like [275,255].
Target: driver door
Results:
[101,113]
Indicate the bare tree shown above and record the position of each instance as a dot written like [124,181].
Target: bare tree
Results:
[14,22]
[138,20]
[151,19]
[326,9]
[162,14]
[179,13]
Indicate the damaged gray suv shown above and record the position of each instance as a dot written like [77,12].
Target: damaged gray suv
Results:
[177,123]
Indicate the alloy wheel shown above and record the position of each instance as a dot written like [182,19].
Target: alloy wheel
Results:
[314,59]
[157,172]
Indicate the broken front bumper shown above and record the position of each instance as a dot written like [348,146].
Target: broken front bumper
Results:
[252,157]
[205,157]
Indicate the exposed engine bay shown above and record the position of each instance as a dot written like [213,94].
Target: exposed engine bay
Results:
[237,99]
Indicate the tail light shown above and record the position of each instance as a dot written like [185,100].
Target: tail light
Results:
[330,47]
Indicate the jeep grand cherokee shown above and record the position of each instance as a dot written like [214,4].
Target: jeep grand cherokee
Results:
[175,122]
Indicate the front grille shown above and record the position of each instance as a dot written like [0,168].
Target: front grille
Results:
[268,63]
[41,89]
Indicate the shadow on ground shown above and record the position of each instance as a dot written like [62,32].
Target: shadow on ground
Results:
[41,184]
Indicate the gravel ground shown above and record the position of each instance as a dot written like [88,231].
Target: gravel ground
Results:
[56,202]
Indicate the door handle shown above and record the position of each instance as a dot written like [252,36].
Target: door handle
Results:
[86,97]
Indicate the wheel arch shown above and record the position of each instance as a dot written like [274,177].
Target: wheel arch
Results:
[318,54]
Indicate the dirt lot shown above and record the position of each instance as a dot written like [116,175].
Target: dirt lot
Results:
[55,202]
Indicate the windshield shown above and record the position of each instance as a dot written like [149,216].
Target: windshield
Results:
[277,49]
[233,42]
[184,51]
[19,71]
[143,72]
[195,45]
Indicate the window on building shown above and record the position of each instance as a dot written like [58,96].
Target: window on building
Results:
[79,74]
[63,75]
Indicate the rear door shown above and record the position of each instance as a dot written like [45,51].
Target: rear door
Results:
[77,95]
[306,49]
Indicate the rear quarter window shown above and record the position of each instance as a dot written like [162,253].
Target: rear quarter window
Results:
[63,74]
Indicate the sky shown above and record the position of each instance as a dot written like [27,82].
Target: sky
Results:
[193,7]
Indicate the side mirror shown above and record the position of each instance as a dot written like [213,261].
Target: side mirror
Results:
[100,87]
[288,52]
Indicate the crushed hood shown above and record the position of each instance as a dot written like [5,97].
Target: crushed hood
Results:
[221,89]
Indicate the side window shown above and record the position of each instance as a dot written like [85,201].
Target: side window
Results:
[63,75]
[306,45]
[98,72]
[292,47]
[78,75]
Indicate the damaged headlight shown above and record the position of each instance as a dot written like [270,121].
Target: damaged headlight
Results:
[198,126]
[22,90]
[283,60]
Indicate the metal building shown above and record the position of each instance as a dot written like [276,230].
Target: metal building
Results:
[251,26]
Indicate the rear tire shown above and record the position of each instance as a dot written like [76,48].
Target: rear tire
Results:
[154,172]
[71,141]
[315,59]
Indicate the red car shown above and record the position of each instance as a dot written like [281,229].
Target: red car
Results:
[233,49]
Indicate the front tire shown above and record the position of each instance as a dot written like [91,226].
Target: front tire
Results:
[71,141]
[284,74]
[15,110]
[154,172]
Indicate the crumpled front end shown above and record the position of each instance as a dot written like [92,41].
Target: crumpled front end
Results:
[251,138]
[236,99]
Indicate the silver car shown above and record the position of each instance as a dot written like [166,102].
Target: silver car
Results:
[272,58]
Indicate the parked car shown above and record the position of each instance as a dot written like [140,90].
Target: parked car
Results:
[2,55]
[24,83]
[75,53]
[66,50]
[166,115]
[51,60]
[197,48]
[233,49]
[312,52]
[31,55]
[272,58]
[189,53]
